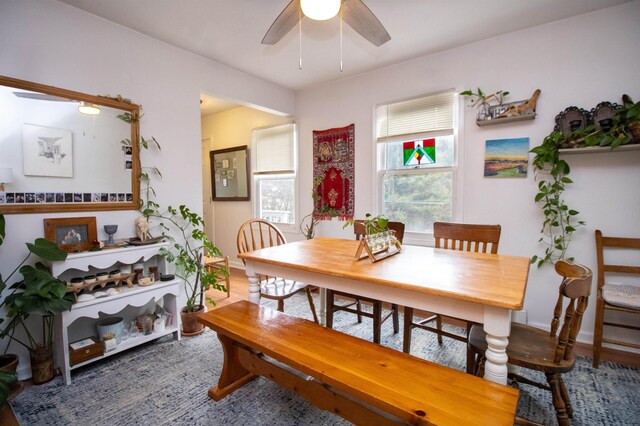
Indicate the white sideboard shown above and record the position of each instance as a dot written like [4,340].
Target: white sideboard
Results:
[165,291]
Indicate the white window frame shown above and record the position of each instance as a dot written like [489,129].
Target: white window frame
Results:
[424,238]
[257,177]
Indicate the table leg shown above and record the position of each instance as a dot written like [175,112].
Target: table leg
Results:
[323,306]
[254,285]
[497,325]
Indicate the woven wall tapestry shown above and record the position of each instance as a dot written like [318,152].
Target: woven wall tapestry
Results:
[333,173]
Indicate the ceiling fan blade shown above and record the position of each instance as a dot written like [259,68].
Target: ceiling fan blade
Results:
[41,97]
[360,18]
[287,19]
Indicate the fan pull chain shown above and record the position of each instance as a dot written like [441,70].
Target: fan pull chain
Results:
[340,39]
[300,35]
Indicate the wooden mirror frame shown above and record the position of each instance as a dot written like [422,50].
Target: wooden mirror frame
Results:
[129,107]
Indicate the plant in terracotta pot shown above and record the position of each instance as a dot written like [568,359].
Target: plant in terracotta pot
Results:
[41,295]
[187,253]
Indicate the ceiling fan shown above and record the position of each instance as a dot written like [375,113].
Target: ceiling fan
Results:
[353,12]
[42,97]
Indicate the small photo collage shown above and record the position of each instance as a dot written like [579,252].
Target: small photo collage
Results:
[64,197]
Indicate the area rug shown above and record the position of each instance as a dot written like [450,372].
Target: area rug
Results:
[166,383]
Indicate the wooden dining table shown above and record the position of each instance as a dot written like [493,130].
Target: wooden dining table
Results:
[479,287]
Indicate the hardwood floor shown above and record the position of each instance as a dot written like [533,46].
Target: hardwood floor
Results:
[240,288]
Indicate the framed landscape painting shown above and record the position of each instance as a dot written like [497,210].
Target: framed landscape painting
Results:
[506,158]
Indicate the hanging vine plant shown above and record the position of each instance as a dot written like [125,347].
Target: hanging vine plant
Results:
[147,206]
[560,221]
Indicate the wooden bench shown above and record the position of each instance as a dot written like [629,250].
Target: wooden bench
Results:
[358,380]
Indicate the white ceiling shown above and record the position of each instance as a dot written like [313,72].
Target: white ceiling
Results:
[210,105]
[230,31]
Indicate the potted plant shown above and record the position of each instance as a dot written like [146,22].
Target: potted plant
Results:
[38,294]
[187,253]
[629,114]
[8,382]
[309,230]
[483,99]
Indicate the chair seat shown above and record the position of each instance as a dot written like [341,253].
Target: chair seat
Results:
[280,288]
[526,348]
[625,296]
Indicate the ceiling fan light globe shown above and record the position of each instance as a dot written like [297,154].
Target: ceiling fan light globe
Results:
[320,10]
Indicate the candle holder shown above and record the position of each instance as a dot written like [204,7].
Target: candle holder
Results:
[110,230]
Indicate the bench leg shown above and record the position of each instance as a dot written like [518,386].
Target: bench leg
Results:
[233,375]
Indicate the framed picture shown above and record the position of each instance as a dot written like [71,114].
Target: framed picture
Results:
[72,234]
[230,184]
[47,151]
[506,158]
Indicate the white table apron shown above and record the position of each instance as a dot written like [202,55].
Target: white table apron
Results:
[496,321]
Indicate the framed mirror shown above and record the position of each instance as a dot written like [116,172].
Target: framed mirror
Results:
[230,174]
[64,151]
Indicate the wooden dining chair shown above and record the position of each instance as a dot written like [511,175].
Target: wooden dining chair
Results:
[257,234]
[219,265]
[376,315]
[540,350]
[453,236]
[623,299]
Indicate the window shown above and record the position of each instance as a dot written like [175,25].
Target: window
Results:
[416,156]
[275,173]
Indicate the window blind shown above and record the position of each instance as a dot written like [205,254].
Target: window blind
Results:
[275,149]
[427,115]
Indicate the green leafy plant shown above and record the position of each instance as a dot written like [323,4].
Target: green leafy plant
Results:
[480,97]
[7,379]
[39,294]
[188,252]
[559,220]
[147,205]
[372,224]
[309,229]
[320,210]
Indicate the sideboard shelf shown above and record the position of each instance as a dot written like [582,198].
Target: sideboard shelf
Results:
[598,149]
[106,258]
[83,314]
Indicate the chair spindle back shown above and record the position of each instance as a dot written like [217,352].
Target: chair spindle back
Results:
[575,286]
[467,237]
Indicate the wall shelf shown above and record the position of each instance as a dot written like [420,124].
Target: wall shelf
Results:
[598,149]
[505,120]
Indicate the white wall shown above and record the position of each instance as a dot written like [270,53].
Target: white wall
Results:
[579,61]
[55,44]
[225,130]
